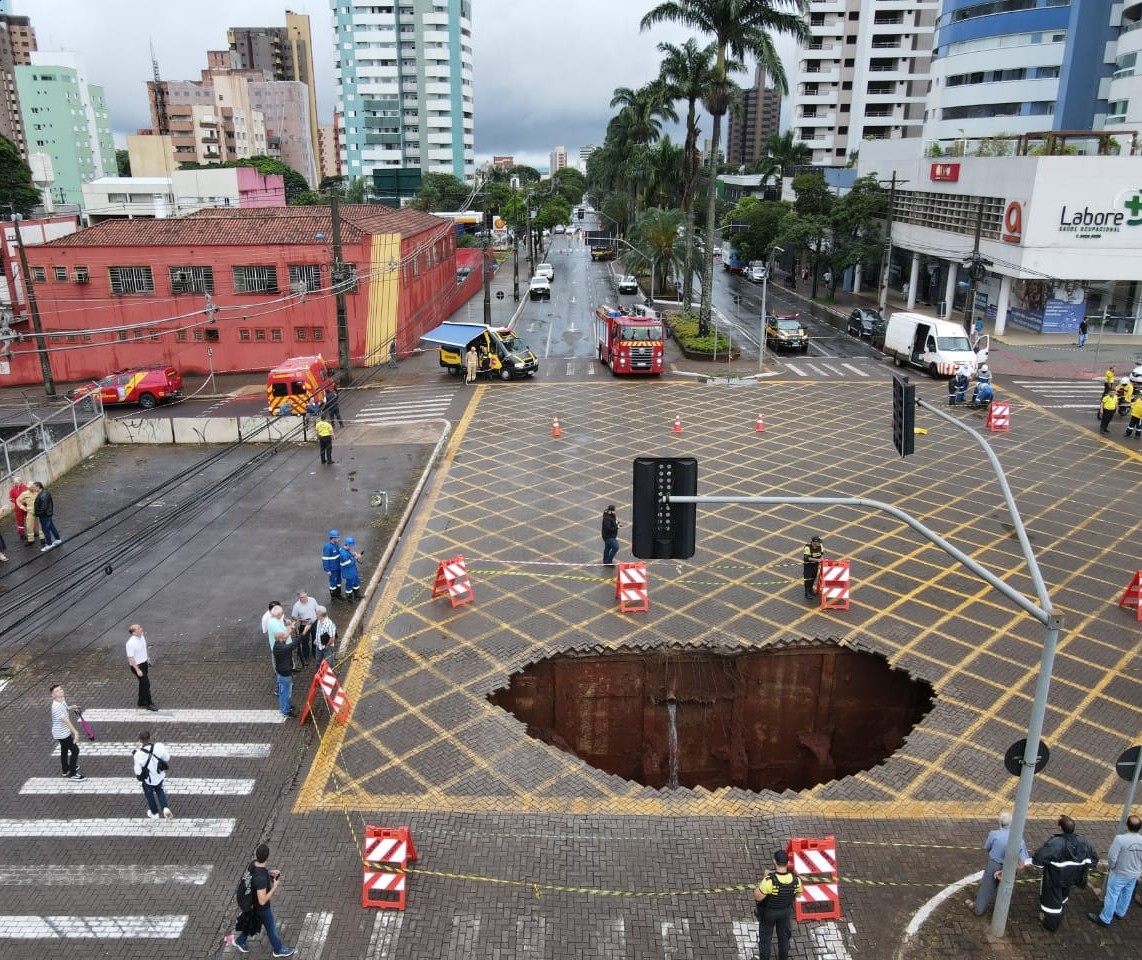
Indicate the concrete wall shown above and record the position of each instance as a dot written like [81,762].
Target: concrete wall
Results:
[53,463]
[259,429]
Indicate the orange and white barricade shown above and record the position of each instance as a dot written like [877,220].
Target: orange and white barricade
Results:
[330,687]
[999,417]
[452,579]
[815,863]
[1133,595]
[387,855]
[834,584]
[631,589]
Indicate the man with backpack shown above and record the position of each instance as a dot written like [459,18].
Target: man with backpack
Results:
[257,886]
[152,761]
[775,893]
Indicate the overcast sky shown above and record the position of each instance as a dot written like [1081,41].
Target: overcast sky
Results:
[544,70]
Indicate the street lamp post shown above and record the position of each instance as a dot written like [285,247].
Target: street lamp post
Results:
[764,290]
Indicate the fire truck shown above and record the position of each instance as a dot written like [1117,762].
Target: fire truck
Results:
[628,343]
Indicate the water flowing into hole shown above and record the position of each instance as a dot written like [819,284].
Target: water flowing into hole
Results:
[672,741]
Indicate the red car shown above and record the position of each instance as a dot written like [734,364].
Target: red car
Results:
[147,387]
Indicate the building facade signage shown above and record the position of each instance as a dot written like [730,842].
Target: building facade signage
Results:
[945,171]
[1013,222]
[1091,222]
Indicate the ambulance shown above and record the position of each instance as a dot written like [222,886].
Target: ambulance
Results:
[502,353]
[292,384]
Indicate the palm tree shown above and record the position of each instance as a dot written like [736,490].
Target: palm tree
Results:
[638,123]
[655,234]
[740,28]
[787,152]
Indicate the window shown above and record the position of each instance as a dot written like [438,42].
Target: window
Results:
[125,280]
[301,333]
[121,334]
[255,279]
[243,334]
[304,278]
[199,335]
[211,335]
[180,336]
[192,279]
[81,275]
[153,334]
[39,275]
[317,333]
[260,334]
[60,274]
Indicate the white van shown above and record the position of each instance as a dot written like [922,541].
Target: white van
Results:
[938,346]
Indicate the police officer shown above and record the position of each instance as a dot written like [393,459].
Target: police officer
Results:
[811,565]
[331,563]
[775,893]
[350,575]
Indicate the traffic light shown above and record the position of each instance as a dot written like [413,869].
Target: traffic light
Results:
[903,415]
[661,530]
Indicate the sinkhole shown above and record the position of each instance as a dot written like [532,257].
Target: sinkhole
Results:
[783,719]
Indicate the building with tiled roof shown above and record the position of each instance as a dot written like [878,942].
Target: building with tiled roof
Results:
[253,286]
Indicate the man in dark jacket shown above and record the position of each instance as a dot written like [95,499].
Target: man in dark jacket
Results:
[1067,858]
[775,893]
[610,535]
[811,566]
[44,509]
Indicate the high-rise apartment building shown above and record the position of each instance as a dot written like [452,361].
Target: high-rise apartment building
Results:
[557,159]
[404,86]
[862,74]
[584,152]
[756,117]
[281,53]
[329,159]
[17,41]
[65,118]
[1124,93]
[1023,67]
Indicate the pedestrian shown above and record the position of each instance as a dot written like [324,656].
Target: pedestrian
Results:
[1134,427]
[304,615]
[333,405]
[65,733]
[804,274]
[1108,406]
[324,637]
[610,535]
[324,430]
[44,509]
[331,563]
[140,666]
[811,566]
[1082,332]
[1067,859]
[996,847]
[350,574]
[14,491]
[774,895]
[1109,377]
[283,667]
[152,761]
[1124,863]
[471,364]
[256,888]
[26,501]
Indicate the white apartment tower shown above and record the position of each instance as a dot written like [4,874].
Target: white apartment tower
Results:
[557,159]
[404,86]
[862,74]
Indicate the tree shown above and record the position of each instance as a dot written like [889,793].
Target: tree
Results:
[786,152]
[123,163]
[655,235]
[764,222]
[442,192]
[856,224]
[637,124]
[740,28]
[16,188]
[570,184]
[296,186]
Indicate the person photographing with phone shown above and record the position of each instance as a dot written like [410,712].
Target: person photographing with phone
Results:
[256,888]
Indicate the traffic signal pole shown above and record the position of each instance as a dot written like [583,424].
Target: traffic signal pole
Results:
[1042,612]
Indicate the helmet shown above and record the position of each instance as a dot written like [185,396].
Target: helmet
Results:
[350,542]
[333,534]
[1124,380]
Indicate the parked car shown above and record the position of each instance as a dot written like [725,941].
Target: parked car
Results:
[546,270]
[627,284]
[784,331]
[539,288]
[864,322]
[756,272]
[147,386]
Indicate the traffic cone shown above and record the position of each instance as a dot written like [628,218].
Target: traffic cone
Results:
[555,431]
[760,426]
[677,423]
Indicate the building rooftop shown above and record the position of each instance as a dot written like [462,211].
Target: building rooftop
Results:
[264,225]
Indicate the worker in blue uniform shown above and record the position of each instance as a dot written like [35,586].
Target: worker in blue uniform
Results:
[331,563]
[350,575]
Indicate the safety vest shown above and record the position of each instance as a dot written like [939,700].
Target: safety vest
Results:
[323,428]
[1110,402]
[780,890]
[814,554]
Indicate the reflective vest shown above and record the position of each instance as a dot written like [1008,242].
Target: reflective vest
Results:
[1110,402]
[780,890]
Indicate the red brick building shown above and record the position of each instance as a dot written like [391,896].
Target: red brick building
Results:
[251,285]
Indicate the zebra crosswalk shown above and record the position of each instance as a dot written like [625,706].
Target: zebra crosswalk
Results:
[408,403]
[820,368]
[1063,394]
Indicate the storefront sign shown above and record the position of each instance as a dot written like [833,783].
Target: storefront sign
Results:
[1013,222]
[945,171]
[1057,316]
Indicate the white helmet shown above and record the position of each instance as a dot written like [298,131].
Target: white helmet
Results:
[984,371]
[1123,380]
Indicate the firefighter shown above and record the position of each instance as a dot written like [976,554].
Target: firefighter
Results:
[331,563]
[350,575]
[811,565]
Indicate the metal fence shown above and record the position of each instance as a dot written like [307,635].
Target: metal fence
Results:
[50,426]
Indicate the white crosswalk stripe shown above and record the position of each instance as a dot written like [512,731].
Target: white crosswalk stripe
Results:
[1063,394]
[310,942]
[676,941]
[385,937]
[745,938]
[235,718]
[98,875]
[146,927]
[139,827]
[175,786]
[119,748]
[407,404]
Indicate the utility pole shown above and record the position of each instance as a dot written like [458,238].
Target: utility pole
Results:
[339,285]
[33,309]
[884,268]
[484,264]
[975,270]
[515,239]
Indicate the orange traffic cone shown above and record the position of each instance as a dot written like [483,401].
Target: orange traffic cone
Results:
[555,431]
[760,426]
[677,423]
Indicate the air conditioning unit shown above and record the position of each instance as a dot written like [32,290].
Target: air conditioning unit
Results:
[182,277]
[81,278]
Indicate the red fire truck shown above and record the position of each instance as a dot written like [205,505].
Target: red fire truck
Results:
[629,343]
